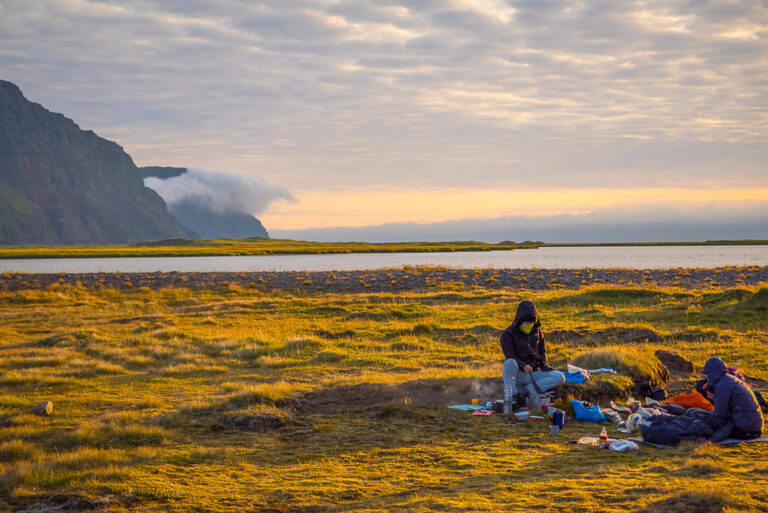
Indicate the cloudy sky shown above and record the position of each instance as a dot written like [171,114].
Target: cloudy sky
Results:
[477,115]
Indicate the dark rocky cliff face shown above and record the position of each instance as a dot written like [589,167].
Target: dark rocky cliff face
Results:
[161,172]
[196,215]
[63,185]
[212,225]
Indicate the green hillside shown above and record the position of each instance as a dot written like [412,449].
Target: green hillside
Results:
[62,185]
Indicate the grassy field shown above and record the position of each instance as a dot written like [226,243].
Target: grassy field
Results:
[246,247]
[240,400]
[265,246]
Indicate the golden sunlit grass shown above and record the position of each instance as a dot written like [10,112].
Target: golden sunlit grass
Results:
[174,400]
[249,246]
[265,246]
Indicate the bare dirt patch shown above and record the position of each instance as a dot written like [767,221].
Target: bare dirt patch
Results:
[441,393]
[674,362]
[423,392]
[53,503]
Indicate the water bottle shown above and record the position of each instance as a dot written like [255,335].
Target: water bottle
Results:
[604,437]
[509,397]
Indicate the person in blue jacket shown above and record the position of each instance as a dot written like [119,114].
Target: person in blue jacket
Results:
[734,402]
[526,356]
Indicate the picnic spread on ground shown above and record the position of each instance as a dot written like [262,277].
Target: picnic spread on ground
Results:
[722,408]
[661,423]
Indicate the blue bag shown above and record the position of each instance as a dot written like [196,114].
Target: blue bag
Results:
[574,377]
[591,414]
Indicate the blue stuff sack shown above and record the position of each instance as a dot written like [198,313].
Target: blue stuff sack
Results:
[591,414]
[574,377]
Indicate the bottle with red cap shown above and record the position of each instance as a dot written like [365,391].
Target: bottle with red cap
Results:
[603,438]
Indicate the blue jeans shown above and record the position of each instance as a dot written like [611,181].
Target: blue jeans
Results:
[518,382]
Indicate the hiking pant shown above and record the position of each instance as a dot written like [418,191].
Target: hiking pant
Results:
[517,382]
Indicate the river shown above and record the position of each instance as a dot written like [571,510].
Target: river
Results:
[629,257]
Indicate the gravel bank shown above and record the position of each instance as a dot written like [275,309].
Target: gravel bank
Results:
[398,280]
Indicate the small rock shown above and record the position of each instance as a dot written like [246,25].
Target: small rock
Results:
[44,408]
[674,361]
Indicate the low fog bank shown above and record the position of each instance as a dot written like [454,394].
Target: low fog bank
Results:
[218,191]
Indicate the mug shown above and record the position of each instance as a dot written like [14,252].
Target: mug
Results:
[558,418]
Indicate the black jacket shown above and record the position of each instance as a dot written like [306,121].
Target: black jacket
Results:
[733,398]
[525,349]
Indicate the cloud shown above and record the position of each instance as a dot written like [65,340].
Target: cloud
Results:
[224,193]
[651,223]
[409,92]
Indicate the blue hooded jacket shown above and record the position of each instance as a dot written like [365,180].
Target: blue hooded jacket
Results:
[733,398]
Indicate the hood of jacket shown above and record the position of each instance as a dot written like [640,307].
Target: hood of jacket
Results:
[714,369]
[526,311]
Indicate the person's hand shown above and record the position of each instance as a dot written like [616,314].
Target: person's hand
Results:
[527,369]
[710,394]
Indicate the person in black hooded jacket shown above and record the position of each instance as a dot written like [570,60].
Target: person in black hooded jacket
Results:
[526,356]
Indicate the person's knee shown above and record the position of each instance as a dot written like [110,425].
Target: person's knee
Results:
[510,366]
[510,372]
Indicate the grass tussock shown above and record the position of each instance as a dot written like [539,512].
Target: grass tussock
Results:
[245,394]
[757,302]
[638,362]
[691,502]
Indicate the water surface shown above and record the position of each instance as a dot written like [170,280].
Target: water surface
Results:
[630,257]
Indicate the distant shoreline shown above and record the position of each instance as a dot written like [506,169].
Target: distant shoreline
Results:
[399,280]
[256,246]
[744,242]
[262,247]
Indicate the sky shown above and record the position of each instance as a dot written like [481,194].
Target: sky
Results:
[425,119]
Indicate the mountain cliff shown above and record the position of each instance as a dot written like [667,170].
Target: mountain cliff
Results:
[196,215]
[62,185]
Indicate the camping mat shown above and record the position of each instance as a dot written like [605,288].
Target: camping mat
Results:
[731,441]
[639,440]
[727,441]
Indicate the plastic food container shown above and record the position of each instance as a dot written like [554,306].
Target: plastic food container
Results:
[522,415]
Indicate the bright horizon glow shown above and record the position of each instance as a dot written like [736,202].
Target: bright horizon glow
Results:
[353,208]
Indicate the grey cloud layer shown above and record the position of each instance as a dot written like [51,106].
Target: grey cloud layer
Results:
[413,92]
